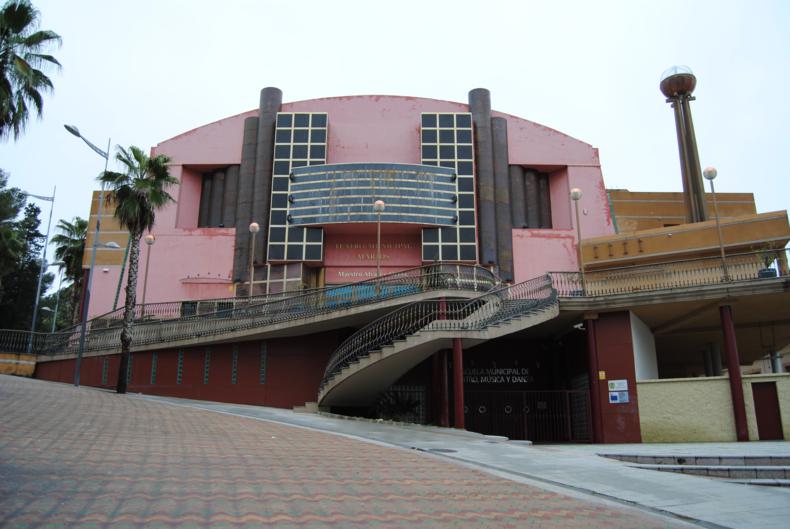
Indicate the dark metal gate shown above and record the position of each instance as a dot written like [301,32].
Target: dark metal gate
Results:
[560,416]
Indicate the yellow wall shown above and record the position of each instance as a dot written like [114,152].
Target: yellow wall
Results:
[686,410]
[641,211]
[679,410]
[110,231]
[17,364]
[700,239]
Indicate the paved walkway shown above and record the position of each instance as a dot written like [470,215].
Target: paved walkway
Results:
[88,458]
[708,502]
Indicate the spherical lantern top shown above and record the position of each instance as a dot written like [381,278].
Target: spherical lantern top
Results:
[254,227]
[576,193]
[378,206]
[149,239]
[710,173]
[677,81]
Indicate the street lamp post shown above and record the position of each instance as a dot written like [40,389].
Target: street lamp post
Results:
[254,228]
[378,207]
[149,240]
[576,195]
[42,267]
[84,316]
[59,264]
[710,173]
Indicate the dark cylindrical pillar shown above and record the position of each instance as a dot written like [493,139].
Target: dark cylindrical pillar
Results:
[696,187]
[241,255]
[734,372]
[715,356]
[231,196]
[684,159]
[532,194]
[271,99]
[504,229]
[595,393]
[707,361]
[458,382]
[480,107]
[544,202]
[205,202]
[217,199]
[518,203]
[441,406]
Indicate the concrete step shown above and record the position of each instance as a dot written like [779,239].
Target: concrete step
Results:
[763,482]
[726,471]
[700,460]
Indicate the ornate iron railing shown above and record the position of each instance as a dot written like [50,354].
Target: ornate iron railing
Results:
[752,266]
[235,314]
[479,313]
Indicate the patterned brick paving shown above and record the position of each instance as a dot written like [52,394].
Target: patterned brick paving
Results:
[84,458]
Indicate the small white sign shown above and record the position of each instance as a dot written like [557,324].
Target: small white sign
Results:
[618,397]
[618,385]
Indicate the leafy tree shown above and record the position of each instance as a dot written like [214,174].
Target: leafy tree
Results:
[136,194]
[69,249]
[64,314]
[19,288]
[11,202]
[21,79]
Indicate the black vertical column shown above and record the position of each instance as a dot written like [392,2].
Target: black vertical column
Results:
[217,199]
[531,193]
[241,255]
[480,107]
[271,99]
[518,205]
[230,196]
[544,202]
[205,202]
[504,228]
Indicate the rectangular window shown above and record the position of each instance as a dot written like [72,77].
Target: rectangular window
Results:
[264,358]
[153,368]
[234,368]
[105,369]
[206,365]
[180,369]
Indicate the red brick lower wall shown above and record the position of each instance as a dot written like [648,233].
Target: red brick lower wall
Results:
[294,368]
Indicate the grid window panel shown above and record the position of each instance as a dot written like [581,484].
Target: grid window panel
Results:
[264,356]
[206,365]
[129,369]
[446,141]
[153,367]
[234,368]
[105,369]
[180,369]
[300,141]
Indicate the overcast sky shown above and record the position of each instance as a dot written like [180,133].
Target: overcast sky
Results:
[143,71]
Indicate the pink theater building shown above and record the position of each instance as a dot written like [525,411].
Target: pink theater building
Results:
[459,301]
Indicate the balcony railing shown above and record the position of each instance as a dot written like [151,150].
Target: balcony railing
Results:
[229,315]
[752,266]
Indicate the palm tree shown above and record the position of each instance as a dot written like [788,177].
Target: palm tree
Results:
[21,80]
[69,248]
[136,194]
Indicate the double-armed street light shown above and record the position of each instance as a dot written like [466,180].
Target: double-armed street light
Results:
[710,174]
[254,229]
[576,195]
[96,245]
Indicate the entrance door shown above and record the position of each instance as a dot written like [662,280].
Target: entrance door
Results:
[766,408]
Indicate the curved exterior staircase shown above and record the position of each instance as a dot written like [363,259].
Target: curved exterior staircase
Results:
[377,355]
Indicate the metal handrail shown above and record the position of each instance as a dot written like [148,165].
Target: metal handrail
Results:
[702,271]
[244,313]
[478,313]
